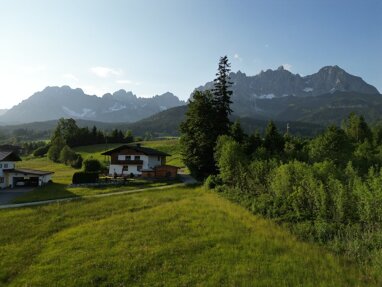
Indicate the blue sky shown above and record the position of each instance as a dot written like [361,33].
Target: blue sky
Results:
[150,47]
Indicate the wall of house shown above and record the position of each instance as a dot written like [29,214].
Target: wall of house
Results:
[6,165]
[45,179]
[3,178]
[119,169]
[122,157]
[154,161]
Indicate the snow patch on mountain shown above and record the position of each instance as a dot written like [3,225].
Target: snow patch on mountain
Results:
[86,113]
[267,96]
[307,90]
[116,107]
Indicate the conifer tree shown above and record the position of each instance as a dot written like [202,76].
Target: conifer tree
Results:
[356,128]
[222,96]
[273,141]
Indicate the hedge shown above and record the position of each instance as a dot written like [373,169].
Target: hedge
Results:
[85,177]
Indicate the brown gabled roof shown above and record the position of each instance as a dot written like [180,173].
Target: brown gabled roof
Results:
[138,148]
[28,171]
[9,156]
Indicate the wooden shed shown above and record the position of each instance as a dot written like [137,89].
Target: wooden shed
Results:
[161,171]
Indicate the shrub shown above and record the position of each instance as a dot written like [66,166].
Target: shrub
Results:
[77,163]
[298,194]
[41,151]
[67,155]
[54,153]
[92,165]
[213,181]
[85,177]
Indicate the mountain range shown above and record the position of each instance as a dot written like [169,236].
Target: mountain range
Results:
[56,102]
[269,93]
[322,98]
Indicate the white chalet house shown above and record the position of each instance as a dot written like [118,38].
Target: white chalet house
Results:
[139,161]
[12,177]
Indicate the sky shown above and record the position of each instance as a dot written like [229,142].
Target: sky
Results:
[151,47]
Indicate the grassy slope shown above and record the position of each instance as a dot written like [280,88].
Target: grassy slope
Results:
[63,174]
[179,237]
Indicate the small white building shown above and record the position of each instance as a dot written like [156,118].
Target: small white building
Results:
[134,159]
[12,177]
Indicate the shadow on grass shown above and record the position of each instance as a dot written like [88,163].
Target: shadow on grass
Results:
[60,190]
[47,192]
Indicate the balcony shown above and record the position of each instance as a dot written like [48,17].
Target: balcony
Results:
[127,162]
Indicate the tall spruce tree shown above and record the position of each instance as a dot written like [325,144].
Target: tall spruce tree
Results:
[222,97]
[207,118]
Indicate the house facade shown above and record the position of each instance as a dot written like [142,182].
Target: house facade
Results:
[134,159]
[10,176]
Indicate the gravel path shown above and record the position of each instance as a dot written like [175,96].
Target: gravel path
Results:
[187,179]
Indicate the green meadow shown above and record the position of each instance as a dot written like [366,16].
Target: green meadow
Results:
[175,237]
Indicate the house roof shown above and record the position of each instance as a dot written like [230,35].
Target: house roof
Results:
[28,171]
[138,148]
[9,156]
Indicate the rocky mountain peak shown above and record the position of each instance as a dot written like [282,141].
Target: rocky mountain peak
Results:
[56,102]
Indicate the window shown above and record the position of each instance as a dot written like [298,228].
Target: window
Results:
[137,157]
[139,168]
[128,157]
[158,158]
[5,165]
[1,179]
[1,165]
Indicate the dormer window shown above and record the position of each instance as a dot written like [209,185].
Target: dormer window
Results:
[128,157]
[137,157]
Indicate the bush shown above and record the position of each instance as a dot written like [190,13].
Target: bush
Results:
[85,177]
[41,151]
[92,165]
[67,155]
[54,153]
[77,163]
[213,181]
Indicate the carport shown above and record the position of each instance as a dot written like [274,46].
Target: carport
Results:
[27,177]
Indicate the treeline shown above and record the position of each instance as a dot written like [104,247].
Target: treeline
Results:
[21,135]
[326,189]
[75,136]
[68,135]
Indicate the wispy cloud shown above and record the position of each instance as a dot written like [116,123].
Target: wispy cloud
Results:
[105,72]
[287,67]
[70,77]
[128,82]
[237,57]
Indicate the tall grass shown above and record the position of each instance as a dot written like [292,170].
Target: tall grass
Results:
[178,237]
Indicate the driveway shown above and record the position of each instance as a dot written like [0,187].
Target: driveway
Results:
[188,179]
[8,195]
